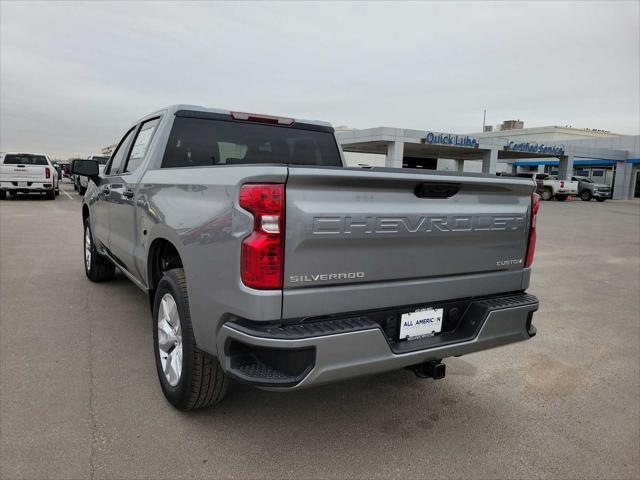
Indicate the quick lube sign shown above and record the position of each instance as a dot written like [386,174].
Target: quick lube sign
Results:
[450,139]
[535,148]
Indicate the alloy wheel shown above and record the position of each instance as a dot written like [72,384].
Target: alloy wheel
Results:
[170,339]
[87,248]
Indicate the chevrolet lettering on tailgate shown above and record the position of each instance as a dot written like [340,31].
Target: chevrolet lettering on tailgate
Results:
[419,224]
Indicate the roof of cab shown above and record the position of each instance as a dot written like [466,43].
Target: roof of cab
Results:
[172,109]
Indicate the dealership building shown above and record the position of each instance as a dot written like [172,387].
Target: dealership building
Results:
[601,156]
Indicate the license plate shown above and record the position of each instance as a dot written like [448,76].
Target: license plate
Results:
[423,322]
[22,184]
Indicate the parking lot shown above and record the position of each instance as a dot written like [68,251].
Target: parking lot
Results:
[80,398]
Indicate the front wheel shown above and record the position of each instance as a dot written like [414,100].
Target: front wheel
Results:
[546,195]
[189,378]
[97,267]
[3,194]
[585,195]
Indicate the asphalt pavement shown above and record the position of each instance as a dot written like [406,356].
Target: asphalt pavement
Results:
[79,397]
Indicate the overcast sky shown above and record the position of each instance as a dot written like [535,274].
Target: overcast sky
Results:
[75,75]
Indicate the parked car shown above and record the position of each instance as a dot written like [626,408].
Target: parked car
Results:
[268,261]
[28,173]
[553,187]
[58,168]
[74,178]
[549,186]
[588,189]
[82,182]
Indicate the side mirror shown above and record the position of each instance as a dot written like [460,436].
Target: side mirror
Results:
[85,168]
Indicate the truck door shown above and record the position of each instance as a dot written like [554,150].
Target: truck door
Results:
[123,231]
[100,209]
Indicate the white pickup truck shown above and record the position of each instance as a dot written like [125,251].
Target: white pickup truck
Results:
[28,173]
[550,186]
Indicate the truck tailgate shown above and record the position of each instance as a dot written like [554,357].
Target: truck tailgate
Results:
[359,234]
[18,173]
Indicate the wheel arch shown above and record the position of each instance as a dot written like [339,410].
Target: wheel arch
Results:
[163,254]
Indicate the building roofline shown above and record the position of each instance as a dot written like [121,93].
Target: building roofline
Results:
[548,128]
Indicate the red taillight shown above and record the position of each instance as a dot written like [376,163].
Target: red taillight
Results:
[262,258]
[47,172]
[535,206]
[561,183]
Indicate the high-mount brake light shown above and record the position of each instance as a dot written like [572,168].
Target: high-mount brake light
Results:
[531,247]
[262,257]
[256,117]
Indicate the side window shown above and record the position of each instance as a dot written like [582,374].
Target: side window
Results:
[118,156]
[141,144]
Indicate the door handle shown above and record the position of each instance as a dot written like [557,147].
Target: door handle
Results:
[128,193]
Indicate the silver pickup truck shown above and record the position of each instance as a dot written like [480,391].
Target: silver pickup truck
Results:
[266,260]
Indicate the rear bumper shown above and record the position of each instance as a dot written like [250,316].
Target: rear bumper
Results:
[303,355]
[31,187]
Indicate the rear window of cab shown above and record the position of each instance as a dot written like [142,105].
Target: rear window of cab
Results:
[12,159]
[198,142]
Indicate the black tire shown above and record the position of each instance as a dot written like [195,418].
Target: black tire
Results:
[202,381]
[82,190]
[51,194]
[546,194]
[561,198]
[3,194]
[585,196]
[99,268]
[600,199]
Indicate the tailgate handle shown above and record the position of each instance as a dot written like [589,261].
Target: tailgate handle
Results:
[437,189]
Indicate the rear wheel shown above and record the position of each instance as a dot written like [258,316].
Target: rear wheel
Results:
[51,194]
[585,195]
[561,198]
[3,194]
[97,267]
[546,194]
[189,378]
